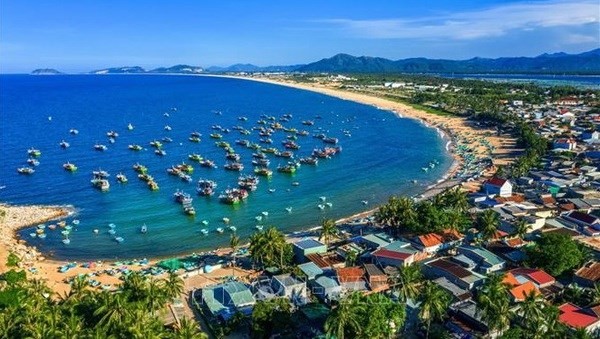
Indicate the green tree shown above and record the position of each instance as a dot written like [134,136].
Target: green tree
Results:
[434,303]
[328,230]
[12,260]
[521,228]
[407,281]
[344,321]
[555,253]
[173,286]
[494,304]
[270,317]
[234,242]
[384,316]
[269,248]
[530,313]
[188,329]
[487,223]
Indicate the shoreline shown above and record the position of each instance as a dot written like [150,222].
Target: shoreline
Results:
[36,214]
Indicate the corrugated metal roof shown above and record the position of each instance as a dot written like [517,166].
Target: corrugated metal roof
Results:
[310,269]
[308,243]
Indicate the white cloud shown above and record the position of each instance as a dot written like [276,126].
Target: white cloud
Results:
[490,22]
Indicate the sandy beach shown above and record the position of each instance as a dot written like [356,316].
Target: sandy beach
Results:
[453,128]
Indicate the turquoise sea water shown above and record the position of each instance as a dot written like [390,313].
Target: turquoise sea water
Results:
[380,158]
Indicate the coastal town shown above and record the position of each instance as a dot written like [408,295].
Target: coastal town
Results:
[506,246]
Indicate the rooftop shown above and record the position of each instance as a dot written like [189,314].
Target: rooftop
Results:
[308,243]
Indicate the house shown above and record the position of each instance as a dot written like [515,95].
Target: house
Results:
[455,273]
[582,219]
[576,317]
[307,246]
[588,275]
[310,270]
[458,293]
[326,287]
[498,186]
[352,278]
[398,253]
[564,144]
[373,241]
[466,321]
[568,101]
[287,286]
[486,261]
[523,281]
[435,242]
[224,300]
[376,278]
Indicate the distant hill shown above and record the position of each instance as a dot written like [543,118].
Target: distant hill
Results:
[253,68]
[179,69]
[45,71]
[587,62]
[120,70]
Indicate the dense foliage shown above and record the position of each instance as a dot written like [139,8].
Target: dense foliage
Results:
[271,316]
[28,309]
[269,248]
[556,254]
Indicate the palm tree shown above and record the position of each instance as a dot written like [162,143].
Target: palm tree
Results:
[521,228]
[156,296]
[595,295]
[456,198]
[234,242]
[112,310]
[456,220]
[531,312]
[328,230]
[488,222]
[351,257]
[408,280]
[188,329]
[344,319]
[434,303]
[173,286]
[269,247]
[494,304]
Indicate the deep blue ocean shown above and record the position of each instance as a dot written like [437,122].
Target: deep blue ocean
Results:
[381,156]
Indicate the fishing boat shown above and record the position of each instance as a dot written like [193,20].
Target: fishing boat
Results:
[34,152]
[140,168]
[73,131]
[194,139]
[195,157]
[219,230]
[261,162]
[216,135]
[119,239]
[25,170]
[288,209]
[121,178]
[100,147]
[248,182]
[309,160]
[233,196]
[101,184]
[183,167]
[204,231]
[208,163]
[130,126]
[308,122]
[222,144]
[160,152]
[152,185]
[263,171]
[156,144]
[288,168]
[144,228]
[242,142]
[33,162]
[64,144]
[326,152]
[329,140]
[100,174]
[234,166]
[182,197]
[270,150]
[185,177]
[145,177]
[135,147]
[284,154]
[69,167]
[168,128]
[189,209]
[259,155]
[266,140]
[290,145]
[206,187]
[112,134]
[166,139]
[233,156]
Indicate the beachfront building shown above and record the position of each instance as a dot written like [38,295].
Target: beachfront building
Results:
[397,254]
[223,300]
[307,246]
[432,243]
[285,285]
[498,186]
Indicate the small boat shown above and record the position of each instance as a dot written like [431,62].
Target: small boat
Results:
[205,222]
[195,134]
[329,140]
[225,220]
[288,209]
[295,183]
[216,135]
[112,134]
[34,152]
[33,235]
[119,239]
[102,184]
[322,198]
[365,202]
[153,185]
[100,147]
[258,218]
[73,131]
[135,147]
[194,139]
[156,144]
[329,204]
[51,227]
[33,162]
[232,228]
[121,178]
[130,126]
[112,231]
[265,213]
[25,170]
[189,210]
[259,227]
[140,168]
[220,230]
[182,198]
[75,222]
[64,144]
[204,231]
[195,157]
[69,167]
[96,231]
[143,228]
[271,190]
[66,241]
[111,140]
[160,152]
[166,139]
[308,122]
[207,163]
[234,166]
[42,235]
[100,174]
[261,162]
[167,128]
[206,187]
[321,206]
[65,232]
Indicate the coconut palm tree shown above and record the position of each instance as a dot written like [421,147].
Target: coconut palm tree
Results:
[595,295]
[456,219]
[456,198]
[344,320]
[155,295]
[188,329]
[434,303]
[408,280]
[521,228]
[328,230]
[173,286]
[494,303]
[234,242]
[269,247]
[487,223]
[530,312]
[112,310]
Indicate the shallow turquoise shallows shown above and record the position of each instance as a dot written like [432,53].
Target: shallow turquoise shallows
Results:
[382,155]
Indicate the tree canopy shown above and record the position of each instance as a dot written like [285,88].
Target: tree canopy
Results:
[555,254]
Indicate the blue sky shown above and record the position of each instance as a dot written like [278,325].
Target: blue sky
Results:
[81,35]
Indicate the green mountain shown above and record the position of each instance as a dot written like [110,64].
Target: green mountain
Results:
[179,69]
[585,63]
[119,70]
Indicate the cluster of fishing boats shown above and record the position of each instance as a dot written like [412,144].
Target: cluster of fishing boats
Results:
[65,230]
